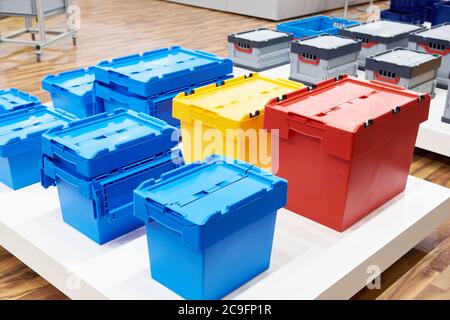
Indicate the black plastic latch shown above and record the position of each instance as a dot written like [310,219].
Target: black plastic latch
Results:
[254,114]
[396,110]
[368,123]
[188,93]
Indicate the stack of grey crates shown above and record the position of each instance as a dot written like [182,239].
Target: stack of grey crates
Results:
[435,40]
[259,49]
[29,7]
[446,116]
[379,36]
[404,67]
[322,57]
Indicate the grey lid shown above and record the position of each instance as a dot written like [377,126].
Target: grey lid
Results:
[439,34]
[327,41]
[383,31]
[404,62]
[326,46]
[258,38]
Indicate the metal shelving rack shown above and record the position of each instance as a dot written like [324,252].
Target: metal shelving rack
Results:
[39,14]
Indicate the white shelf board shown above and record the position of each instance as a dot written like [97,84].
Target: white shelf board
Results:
[434,135]
[309,261]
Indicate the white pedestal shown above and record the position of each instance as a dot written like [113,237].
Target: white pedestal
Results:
[309,261]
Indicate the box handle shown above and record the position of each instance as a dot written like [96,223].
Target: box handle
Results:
[242,49]
[381,78]
[427,48]
[300,125]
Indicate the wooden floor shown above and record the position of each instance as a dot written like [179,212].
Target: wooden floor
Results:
[115,28]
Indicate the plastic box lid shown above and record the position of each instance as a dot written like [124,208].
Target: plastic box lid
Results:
[405,63]
[76,82]
[161,71]
[326,46]
[382,31]
[13,99]
[103,143]
[20,131]
[259,38]
[439,34]
[206,202]
[349,116]
[233,102]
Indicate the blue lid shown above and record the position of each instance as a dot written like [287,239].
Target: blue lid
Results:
[102,143]
[221,195]
[77,82]
[20,131]
[159,71]
[13,99]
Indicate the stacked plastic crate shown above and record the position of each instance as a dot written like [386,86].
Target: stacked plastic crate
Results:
[411,11]
[97,162]
[148,82]
[72,91]
[23,119]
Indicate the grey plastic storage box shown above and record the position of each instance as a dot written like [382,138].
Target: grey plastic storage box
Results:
[437,41]
[446,116]
[259,49]
[29,7]
[404,67]
[322,57]
[379,36]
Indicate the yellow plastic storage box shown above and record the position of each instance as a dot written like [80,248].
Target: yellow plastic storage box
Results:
[228,118]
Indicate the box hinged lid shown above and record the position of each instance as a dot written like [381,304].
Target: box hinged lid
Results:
[436,39]
[101,143]
[160,71]
[20,129]
[326,46]
[381,31]
[405,63]
[348,116]
[259,38]
[220,195]
[13,99]
[233,103]
[78,82]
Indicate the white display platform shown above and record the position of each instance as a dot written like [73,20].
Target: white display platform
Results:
[434,135]
[309,261]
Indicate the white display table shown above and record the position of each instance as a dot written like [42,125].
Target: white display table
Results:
[309,261]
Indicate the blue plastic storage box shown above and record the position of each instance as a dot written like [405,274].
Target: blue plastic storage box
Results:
[408,17]
[13,100]
[72,91]
[158,106]
[102,208]
[408,5]
[102,143]
[20,143]
[315,26]
[162,71]
[441,13]
[210,225]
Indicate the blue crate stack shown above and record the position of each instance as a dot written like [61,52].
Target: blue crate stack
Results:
[315,26]
[97,162]
[20,143]
[72,91]
[148,82]
[210,225]
[409,11]
[418,11]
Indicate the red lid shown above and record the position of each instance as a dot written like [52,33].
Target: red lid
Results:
[337,111]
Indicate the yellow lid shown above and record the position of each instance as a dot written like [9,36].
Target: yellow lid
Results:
[235,101]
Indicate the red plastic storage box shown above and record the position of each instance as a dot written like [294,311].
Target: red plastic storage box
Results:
[345,146]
